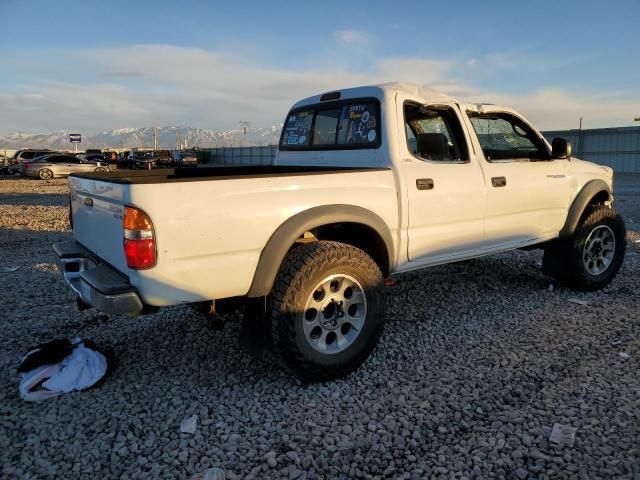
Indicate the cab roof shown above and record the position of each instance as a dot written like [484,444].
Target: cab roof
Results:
[381,91]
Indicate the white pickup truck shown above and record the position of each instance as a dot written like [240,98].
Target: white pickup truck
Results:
[368,182]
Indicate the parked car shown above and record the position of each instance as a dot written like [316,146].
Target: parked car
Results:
[26,155]
[146,160]
[111,157]
[57,165]
[368,182]
[93,157]
[186,158]
[164,158]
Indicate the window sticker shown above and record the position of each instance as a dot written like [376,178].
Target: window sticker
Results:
[297,128]
[363,124]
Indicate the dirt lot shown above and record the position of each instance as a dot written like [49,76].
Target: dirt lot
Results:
[478,362]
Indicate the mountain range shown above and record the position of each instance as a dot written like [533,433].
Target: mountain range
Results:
[168,137]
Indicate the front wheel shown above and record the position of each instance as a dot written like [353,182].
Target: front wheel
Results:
[45,174]
[327,310]
[100,170]
[591,258]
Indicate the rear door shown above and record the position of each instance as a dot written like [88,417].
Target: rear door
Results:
[57,164]
[446,189]
[97,208]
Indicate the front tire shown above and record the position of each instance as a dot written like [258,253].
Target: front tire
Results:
[591,258]
[327,310]
[45,174]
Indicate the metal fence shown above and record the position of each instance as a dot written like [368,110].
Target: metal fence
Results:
[617,147]
[264,155]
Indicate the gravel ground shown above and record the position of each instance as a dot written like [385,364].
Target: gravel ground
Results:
[478,362]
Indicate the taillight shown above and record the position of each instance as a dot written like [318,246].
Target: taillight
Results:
[139,239]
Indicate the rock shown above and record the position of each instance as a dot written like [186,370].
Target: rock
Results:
[563,435]
[189,424]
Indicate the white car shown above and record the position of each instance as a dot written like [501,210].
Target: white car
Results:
[368,182]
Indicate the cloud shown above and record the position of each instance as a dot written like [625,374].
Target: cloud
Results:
[352,37]
[124,74]
[172,85]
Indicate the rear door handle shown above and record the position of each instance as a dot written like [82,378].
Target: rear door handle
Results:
[498,181]
[424,184]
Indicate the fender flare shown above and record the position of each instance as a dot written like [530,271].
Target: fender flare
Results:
[293,228]
[590,190]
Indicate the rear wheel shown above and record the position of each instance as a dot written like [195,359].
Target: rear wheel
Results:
[591,258]
[45,174]
[327,310]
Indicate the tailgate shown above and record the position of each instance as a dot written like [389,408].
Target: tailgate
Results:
[97,207]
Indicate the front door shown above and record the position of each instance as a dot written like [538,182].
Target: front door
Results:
[527,191]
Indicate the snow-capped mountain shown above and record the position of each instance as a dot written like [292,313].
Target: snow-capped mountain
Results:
[168,137]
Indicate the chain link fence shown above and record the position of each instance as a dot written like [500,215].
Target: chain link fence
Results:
[264,155]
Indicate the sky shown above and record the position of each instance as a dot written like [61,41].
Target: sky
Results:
[92,66]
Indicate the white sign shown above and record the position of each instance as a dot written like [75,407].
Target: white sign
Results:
[75,138]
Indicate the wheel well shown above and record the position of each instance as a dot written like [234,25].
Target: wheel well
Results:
[358,235]
[600,198]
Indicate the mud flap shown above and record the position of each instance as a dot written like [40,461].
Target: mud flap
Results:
[556,256]
[255,327]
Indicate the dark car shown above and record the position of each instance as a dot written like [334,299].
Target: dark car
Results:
[164,158]
[186,158]
[111,158]
[143,160]
[93,157]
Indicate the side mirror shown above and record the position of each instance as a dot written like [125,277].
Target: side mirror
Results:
[560,148]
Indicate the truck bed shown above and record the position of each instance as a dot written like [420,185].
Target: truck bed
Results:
[210,234]
[222,172]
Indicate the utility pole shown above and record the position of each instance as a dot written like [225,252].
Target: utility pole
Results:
[245,126]
[579,146]
[177,139]
[155,136]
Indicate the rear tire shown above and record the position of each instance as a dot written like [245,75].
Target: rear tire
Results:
[327,310]
[591,258]
[45,174]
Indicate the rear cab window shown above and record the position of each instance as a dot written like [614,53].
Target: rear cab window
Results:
[342,125]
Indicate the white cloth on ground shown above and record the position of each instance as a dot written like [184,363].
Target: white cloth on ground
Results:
[79,370]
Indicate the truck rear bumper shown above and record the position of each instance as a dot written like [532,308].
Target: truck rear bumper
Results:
[95,282]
